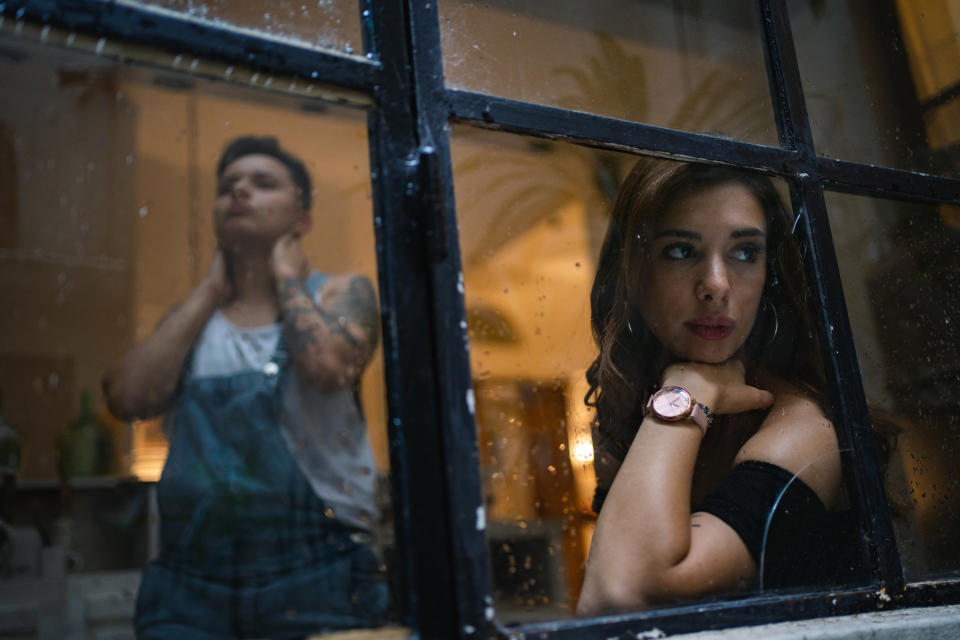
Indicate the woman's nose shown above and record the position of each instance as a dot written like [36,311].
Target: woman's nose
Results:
[713,284]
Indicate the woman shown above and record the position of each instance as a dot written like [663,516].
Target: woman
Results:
[266,498]
[700,288]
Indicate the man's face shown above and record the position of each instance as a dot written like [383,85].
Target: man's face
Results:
[257,203]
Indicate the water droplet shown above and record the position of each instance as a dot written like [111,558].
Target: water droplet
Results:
[143,211]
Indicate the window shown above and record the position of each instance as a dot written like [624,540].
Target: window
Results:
[465,158]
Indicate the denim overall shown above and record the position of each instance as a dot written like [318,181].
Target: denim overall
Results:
[247,551]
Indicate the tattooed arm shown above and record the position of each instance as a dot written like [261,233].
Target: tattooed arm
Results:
[330,343]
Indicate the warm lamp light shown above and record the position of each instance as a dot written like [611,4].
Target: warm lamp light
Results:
[582,450]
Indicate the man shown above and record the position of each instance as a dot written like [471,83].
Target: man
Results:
[266,498]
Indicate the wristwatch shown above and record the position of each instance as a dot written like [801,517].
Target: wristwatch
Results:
[674,404]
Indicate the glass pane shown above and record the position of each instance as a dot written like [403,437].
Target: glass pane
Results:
[900,265]
[869,77]
[533,216]
[221,451]
[327,24]
[696,66]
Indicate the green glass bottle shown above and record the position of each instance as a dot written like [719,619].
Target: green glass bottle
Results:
[85,446]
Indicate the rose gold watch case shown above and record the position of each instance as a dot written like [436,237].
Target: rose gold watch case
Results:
[674,404]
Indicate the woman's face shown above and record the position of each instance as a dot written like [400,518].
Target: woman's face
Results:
[703,273]
[257,202]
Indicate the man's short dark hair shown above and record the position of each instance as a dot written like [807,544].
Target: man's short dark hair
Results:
[268,146]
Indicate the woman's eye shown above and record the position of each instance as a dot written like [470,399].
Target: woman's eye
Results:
[747,253]
[677,251]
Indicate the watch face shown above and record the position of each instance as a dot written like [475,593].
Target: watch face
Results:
[672,403]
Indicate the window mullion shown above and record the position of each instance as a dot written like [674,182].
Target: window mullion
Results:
[465,492]
[423,542]
[783,73]
[862,472]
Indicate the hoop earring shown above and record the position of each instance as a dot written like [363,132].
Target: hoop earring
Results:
[776,323]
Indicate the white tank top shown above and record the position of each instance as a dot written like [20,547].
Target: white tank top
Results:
[325,432]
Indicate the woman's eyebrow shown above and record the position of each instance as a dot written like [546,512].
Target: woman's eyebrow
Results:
[678,233]
[750,232]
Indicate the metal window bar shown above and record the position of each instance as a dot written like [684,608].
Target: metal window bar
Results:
[861,470]
[165,30]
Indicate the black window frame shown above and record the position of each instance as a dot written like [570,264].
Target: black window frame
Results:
[437,494]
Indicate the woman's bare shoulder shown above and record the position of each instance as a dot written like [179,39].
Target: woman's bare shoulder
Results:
[797,436]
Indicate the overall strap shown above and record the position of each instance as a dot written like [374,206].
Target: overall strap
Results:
[314,281]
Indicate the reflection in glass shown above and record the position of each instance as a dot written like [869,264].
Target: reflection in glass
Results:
[328,24]
[110,174]
[531,218]
[873,80]
[532,246]
[900,268]
[691,66]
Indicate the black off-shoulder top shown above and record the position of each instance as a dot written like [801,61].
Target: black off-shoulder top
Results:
[801,545]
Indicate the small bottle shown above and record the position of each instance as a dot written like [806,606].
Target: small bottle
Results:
[85,446]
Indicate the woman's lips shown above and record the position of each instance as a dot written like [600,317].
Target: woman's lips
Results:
[711,328]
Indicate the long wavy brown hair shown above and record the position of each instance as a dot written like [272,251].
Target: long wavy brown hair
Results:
[631,359]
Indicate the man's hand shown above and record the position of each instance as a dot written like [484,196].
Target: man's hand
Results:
[287,259]
[217,281]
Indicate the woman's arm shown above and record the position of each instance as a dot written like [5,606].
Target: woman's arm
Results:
[647,547]
[142,382]
[799,438]
[330,344]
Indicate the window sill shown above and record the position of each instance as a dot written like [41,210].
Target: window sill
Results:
[929,623]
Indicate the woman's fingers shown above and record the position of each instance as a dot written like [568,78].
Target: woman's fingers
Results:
[721,387]
[738,399]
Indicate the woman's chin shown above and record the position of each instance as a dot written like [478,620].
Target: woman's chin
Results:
[711,356]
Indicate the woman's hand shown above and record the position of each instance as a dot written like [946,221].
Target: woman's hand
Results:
[287,259]
[721,387]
